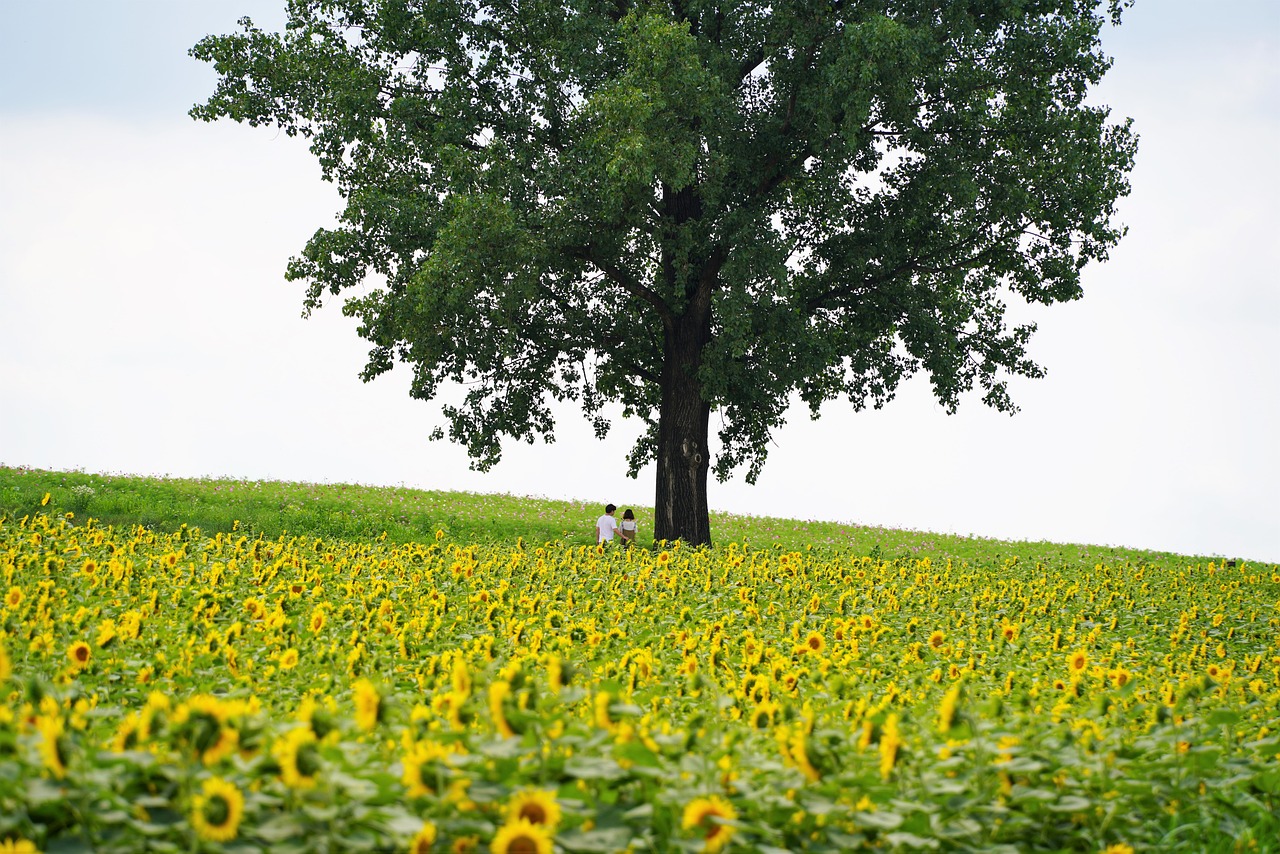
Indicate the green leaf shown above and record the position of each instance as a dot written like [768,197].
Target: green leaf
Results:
[910,840]
[880,819]
[1071,803]
[598,839]
[594,768]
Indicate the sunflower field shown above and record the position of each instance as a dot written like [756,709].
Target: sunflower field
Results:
[205,692]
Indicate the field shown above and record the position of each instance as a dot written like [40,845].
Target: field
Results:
[246,685]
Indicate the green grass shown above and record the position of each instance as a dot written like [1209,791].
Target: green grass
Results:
[345,511]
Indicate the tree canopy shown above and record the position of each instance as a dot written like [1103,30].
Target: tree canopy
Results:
[691,207]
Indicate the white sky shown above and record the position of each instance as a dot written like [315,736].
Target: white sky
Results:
[146,327]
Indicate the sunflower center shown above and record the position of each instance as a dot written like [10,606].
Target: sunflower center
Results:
[308,760]
[216,810]
[534,813]
[523,845]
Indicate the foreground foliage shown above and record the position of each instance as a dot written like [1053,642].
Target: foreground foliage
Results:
[184,691]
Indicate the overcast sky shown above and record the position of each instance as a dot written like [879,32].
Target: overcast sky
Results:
[146,327]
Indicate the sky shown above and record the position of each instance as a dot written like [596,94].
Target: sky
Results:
[146,326]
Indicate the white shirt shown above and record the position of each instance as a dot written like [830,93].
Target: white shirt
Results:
[607,526]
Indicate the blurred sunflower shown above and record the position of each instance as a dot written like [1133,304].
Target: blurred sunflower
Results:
[368,704]
[52,745]
[521,837]
[298,757]
[217,810]
[537,806]
[709,815]
[423,839]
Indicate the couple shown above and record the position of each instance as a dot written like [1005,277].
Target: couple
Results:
[607,526]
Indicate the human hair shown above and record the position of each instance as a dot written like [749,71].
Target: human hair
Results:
[627,514]
[609,508]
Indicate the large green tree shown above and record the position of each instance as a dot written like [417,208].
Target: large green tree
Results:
[691,206]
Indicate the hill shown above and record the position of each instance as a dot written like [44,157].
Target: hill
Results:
[404,514]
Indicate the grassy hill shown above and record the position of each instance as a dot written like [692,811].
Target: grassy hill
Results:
[403,514]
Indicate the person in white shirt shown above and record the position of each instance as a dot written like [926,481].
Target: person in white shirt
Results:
[606,525]
[627,530]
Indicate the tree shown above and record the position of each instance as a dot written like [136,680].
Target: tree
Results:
[691,206]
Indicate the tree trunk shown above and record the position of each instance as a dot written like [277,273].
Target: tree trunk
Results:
[680,503]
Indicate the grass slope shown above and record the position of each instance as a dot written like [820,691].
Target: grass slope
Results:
[402,514]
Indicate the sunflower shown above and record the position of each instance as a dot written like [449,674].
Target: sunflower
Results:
[709,816]
[889,743]
[127,734]
[79,653]
[18,846]
[947,708]
[423,839]
[499,692]
[317,621]
[814,643]
[6,666]
[937,639]
[217,810]
[521,837]
[289,659]
[13,598]
[368,704]
[762,717]
[602,701]
[419,757]
[557,677]
[53,747]
[298,758]
[537,806]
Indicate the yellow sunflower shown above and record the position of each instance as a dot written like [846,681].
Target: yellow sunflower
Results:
[537,806]
[521,837]
[947,708]
[937,639]
[368,704]
[422,756]
[889,744]
[1077,662]
[52,745]
[13,598]
[762,717]
[499,692]
[814,643]
[18,846]
[423,839]
[299,760]
[289,659]
[217,810]
[79,653]
[709,816]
